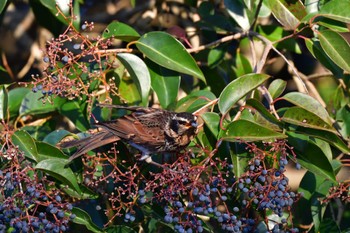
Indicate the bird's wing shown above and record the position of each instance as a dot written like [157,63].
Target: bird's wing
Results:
[89,143]
[132,130]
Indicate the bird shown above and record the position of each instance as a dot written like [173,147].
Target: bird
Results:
[149,130]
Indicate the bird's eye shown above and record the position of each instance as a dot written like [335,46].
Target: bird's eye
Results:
[182,122]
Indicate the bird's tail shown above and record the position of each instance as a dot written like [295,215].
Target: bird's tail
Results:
[89,143]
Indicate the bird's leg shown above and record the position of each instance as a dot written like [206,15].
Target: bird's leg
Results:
[148,159]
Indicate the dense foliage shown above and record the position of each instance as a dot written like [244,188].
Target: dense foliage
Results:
[261,123]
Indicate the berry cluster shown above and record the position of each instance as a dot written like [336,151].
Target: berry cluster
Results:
[25,203]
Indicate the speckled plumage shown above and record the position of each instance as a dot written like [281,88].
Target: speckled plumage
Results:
[149,130]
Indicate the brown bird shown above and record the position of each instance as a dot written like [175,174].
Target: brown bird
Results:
[149,130]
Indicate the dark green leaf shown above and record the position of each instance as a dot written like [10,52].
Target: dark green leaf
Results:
[26,144]
[120,229]
[56,136]
[3,103]
[58,169]
[138,72]
[242,65]
[336,47]
[216,55]
[47,151]
[129,91]
[33,104]
[73,111]
[316,50]
[328,136]
[239,12]
[311,157]
[165,83]
[2,5]
[120,31]
[248,131]
[263,111]
[16,97]
[166,51]
[212,120]
[238,88]
[84,218]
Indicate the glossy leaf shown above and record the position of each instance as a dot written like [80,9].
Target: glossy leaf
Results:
[15,98]
[216,55]
[72,110]
[26,144]
[83,218]
[277,87]
[302,117]
[263,111]
[239,12]
[120,31]
[248,131]
[336,47]
[165,83]
[2,5]
[57,168]
[3,103]
[311,157]
[47,151]
[288,13]
[121,229]
[166,51]
[309,104]
[138,72]
[212,121]
[129,91]
[316,50]
[56,136]
[328,136]
[194,101]
[336,9]
[238,88]
[32,104]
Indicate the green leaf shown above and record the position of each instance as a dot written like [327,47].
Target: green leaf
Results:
[248,131]
[194,101]
[263,111]
[277,87]
[212,120]
[216,56]
[16,97]
[336,9]
[242,65]
[138,72]
[328,136]
[129,91]
[166,51]
[336,47]
[47,151]
[288,13]
[165,83]
[120,229]
[316,50]
[26,144]
[32,104]
[83,218]
[311,156]
[2,5]
[72,110]
[58,169]
[120,31]
[239,12]
[302,117]
[309,104]
[3,103]
[238,88]
[56,136]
